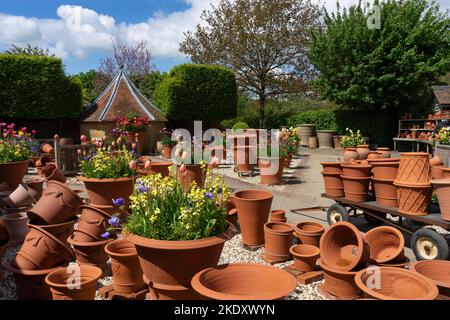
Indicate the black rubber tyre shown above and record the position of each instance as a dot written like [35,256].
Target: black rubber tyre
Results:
[427,244]
[337,212]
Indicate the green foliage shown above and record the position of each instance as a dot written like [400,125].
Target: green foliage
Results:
[247,112]
[352,139]
[147,85]
[87,81]
[325,119]
[240,125]
[198,92]
[35,87]
[392,67]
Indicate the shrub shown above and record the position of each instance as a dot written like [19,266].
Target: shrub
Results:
[325,119]
[240,125]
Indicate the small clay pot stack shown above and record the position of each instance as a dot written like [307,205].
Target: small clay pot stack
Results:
[332,172]
[356,178]
[384,172]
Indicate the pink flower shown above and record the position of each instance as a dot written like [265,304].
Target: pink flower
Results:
[147,164]
[93,141]
[134,146]
[83,138]
[183,168]
[24,129]
[34,132]
[132,165]
[79,152]
[214,162]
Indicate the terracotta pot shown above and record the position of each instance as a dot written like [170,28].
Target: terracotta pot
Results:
[253,207]
[446,173]
[161,167]
[385,152]
[305,131]
[278,239]
[164,262]
[414,168]
[19,198]
[102,191]
[442,189]
[436,161]
[363,151]
[437,172]
[305,257]
[278,216]
[93,222]
[374,155]
[334,185]
[395,284]
[16,224]
[42,250]
[385,170]
[356,188]
[111,210]
[166,152]
[126,270]
[350,154]
[43,161]
[77,282]
[244,281]
[193,173]
[35,187]
[339,283]
[313,142]
[243,156]
[413,199]
[58,204]
[47,148]
[51,172]
[12,173]
[325,138]
[332,167]
[309,233]
[342,247]
[356,170]
[271,170]
[60,230]
[92,253]
[386,244]
[386,192]
[437,272]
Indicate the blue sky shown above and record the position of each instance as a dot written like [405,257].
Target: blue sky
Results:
[80,31]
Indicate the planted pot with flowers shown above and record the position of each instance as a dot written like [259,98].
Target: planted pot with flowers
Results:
[350,141]
[177,233]
[131,125]
[290,139]
[167,143]
[441,141]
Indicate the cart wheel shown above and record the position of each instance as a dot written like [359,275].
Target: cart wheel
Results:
[374,221]
[336,213]
[427,244]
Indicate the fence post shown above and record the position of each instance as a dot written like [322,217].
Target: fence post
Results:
[57,151]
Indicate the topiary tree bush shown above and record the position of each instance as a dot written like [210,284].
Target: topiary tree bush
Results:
[241,126]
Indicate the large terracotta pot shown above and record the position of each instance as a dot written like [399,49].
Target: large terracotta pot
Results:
[193,173]
[141,140]
[166,152]
[102,191]
[278,239]
[340,283]
[385,192]
[305,257]
[334,185]
[60,230]
[92,253]
[356,188]
[342,247]
[16,224]
[363,151]
[243,156]
[58,204]
[386,244]
[332,167]
[350,154]
[413,199]
[278,215]
[93,223]
[325,138]
[169,266]
[19,197]
[414,168]
[161,167]
[51,172]
[385,152]
[309,233]
[356,170]
[305,131]
[253,207]
[442,190]
[437,272]
[74,282]
[12,173]
[244,281]
[395,284]
[385,170]
[271,170]
[126,270]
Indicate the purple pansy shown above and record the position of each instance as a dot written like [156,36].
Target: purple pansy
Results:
[114,221]
[105,235]
[142,188]
[118,202]
[208,195]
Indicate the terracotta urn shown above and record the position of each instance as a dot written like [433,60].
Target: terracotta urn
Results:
[334,185]
[17,225]
[332,167]
[356,170]
[305,257]
[414,168]
[340,284]
[437,272]
[278,239]
[278,215]
[309,233]
[92,224]
[363,151]
[12,173]
[374,155]
[60,230]
[350,154]
[193,173]
[19,197]
[356,188]
[442,190]
[385,152]
[271,170]
[386,244]
[385,192]
[413,199]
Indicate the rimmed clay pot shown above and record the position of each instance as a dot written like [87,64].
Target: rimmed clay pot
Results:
[442,190]
[164,264]
[102,191]
[395,284]
[386,244]
[51,172]
[58,204]
[356,188]
[437,271]
[446,173]
[436,161]
[325,138]
[92,253]
[253,207]
[47,148]
[414,168]
[350,154]
[166,152]
[385,152]
[309,233]
[16,223]
[193,173]
[12,173]
[278,239]
[271,170]
[385,192]
[334,186]
[437,172]
[243,157]
[374,155]
[93,222]
[43,161]
[385,170]
[19,198]
[161,167]
[75,282]
[35,187]
[342,247]
[126,269]
[332,167]
[413,199]
[42,250]
[244,281]
[278,215]
[356,170]
[305,257]
[363,151]
[60,230]
[340,283]
[30,284]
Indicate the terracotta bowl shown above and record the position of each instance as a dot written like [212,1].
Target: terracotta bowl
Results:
[437,271]
[386,244]
[244,281]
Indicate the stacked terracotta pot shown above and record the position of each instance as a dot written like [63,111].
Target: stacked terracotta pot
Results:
[332,172]
[306,251]
[244,151]
[356,180]
[384,172]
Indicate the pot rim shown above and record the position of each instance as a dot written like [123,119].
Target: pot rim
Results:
[267,195]
[103,213]
[390,229]
[297,229]
[11,267]
[85,179]
[350,149]
[337,271]
[356,165]
[412,185]
[443,181]
[414,154]
[268,227]
[118,254]
[51,236]
[96,270]
[72,221]
[439,283]
[296,254]
[355,178]
[75,243]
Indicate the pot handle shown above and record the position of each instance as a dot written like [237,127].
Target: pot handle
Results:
[98,222]
[58,194]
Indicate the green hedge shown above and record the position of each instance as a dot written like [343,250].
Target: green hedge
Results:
[198,92]
[35,87]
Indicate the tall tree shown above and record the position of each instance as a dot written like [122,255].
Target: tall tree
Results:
[87,81]
[263,41]
[393,66]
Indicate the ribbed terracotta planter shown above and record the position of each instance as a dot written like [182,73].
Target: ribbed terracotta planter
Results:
[278,239]
[51,172]
[350,154]
[305,257]
[271,170]
[12,173]
[414,168]
[70,284]
[396,284]
[244,281]
[342,247]
[253,207]
[35,187]
[385,170]
[60,230]
[17,224]
[413,199]
[93,222]
[339,283]
[332,167]
[166,152]
[243,156]
[385,192]
[363,151]
[92,253]
[356,170]
[385,152]
[19,197]
[386,244]
[356,188]
[309,233]
[437,271]
[278,215]
[334,186]
[442,190]
[102,191]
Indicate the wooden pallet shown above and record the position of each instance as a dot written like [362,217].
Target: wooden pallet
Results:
[306,277]
[109,293]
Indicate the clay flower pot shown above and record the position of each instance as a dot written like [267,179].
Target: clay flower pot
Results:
[340,283]
[58,204]
[253,207]
[413,199]
[42,250]
[342,247]
[93,222]
[77,282]
[437,172]
[350,154]
[242,156]
[309,233]
[270,170]
[356,188]
[446,173]
[164,264]
[244,281]
[334,185]
[386,244]
[102,191]
[161,167]
[278,239]
[193,173]
[363,151]
[437,272]
[16,223]
[60,230]
[47,148]
[442,189]
[385,170]
[385,192]
[374,155]
[278,216]
[19,198]
[385,152]
[325,138]
[12,173]
[126,270]
[51,172]
[43,161]
[331,167]
[35,187]
[395,284]
[435,161]
[414,168]
[92,253]
[356,170]
[305,257]
[166,152]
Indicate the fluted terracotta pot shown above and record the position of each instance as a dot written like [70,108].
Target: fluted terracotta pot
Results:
[413,199]
[442,190]
[12,173]
[350,154]
[386,244]
[385,152]
[437,272]
[278,239]
[356,188]
[309,233]
[305,257]
[363,151]
[385,192]
[340,283]
[414,168]
[334,186]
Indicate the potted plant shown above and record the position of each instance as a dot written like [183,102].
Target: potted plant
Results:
[290,139]
[167,143]
[350,141]
[177,234]
[441,141]
[130,126]
[189,170]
